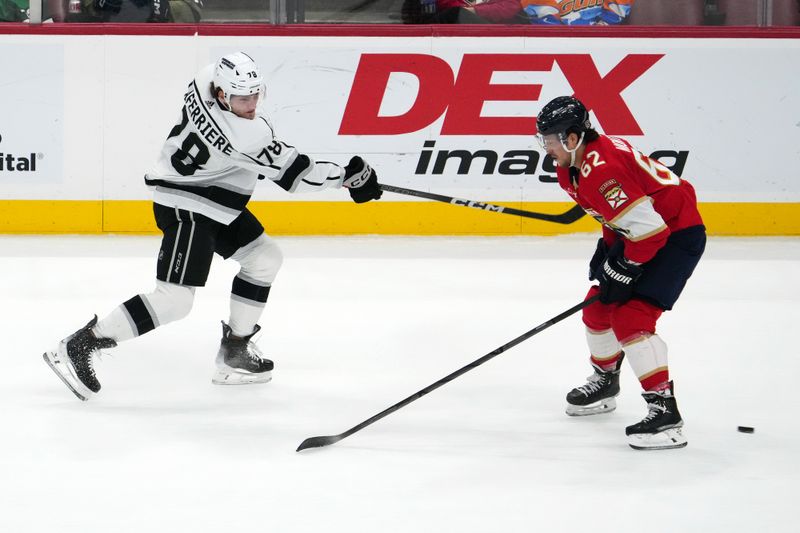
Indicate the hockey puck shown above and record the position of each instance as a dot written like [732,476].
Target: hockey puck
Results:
[745,429]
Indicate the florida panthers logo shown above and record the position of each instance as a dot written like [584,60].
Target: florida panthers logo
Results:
[615,196]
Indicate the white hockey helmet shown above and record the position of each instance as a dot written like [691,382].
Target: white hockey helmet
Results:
[237,74]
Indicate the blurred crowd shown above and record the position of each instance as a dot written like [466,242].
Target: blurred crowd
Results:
[552,12]
[134,10]
[188,11]
[537,12]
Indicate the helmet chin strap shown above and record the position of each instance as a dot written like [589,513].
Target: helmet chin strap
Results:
[572,152]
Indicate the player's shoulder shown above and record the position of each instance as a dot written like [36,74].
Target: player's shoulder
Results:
[607,145]
[249,134]
[203,80]
[601,159]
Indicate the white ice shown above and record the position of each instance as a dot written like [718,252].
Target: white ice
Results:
[355,325]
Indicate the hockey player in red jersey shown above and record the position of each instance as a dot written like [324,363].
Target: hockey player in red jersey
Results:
[653,237]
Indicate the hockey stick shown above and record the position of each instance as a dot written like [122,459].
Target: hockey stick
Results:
[567,217]
[318,442]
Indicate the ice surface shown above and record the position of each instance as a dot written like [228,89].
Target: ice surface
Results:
[357,324]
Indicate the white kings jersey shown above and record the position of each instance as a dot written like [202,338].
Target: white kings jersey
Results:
[212,159]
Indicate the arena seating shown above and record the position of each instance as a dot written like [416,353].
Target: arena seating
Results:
[672,13]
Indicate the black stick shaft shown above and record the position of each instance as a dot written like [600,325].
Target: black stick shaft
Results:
[324,441]
[567,217]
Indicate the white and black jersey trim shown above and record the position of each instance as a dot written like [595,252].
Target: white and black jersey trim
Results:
[254,160]
[207,112]
[210,118]
[328,178]
[272,132]
[291,175]
[214,198]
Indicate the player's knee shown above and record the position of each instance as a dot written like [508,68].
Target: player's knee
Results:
[596,316]
[262,261]
[171,301]
[633,319]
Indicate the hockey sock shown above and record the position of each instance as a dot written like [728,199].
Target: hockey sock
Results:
[604,348]
[145,312]
[115,326]
[247,305]
[647,355]
[260,261]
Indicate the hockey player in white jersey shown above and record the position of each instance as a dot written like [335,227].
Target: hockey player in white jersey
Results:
[203,179]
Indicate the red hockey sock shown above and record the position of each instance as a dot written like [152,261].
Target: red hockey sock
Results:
[607,364]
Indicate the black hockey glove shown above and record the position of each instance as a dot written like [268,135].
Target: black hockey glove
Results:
[600,254]
[112,6]
[361,181]
[617,277]
[597,259]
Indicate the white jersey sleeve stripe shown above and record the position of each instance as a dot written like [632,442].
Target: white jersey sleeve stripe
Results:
[639,220]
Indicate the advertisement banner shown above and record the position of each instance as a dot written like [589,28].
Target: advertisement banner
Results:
[460,118]
[31,117]
[450,115]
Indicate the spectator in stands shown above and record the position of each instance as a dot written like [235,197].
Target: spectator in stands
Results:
[575,13]
[186,11]
[13,10]
[462,12]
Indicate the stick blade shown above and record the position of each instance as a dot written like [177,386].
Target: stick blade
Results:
[318,442]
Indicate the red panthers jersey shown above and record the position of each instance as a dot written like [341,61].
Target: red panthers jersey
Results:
[634,197]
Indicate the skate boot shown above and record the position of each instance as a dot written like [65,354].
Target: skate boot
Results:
[239,360]
[661,429]
[72,361]
[597,395]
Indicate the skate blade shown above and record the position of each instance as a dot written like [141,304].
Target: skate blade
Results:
[663,440]
[238,378]
[596,408]
[65,374]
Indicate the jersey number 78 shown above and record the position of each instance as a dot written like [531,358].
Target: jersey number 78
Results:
[192,154]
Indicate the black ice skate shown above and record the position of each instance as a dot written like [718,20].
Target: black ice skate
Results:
[239,360]
[72,361]
[661,429]
[597,395]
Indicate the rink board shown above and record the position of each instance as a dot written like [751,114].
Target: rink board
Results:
[378,218]
[450,112]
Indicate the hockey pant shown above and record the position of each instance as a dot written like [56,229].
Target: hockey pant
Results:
[260,261]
